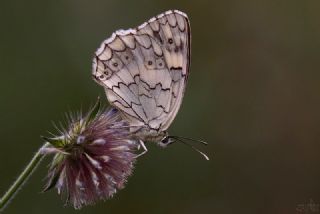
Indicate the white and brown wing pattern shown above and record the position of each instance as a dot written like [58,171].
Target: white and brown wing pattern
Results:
[144,70]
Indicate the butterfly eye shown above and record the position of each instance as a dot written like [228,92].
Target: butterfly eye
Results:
[166,141]
[115,64]
[160,63]
[150,63]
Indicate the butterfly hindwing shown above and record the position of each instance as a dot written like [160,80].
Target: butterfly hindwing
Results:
[144,70]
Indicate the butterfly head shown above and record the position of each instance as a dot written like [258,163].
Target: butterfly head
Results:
[166,140]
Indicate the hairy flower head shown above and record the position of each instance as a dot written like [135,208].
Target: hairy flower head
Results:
[93,157]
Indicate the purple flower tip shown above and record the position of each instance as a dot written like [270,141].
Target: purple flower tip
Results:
[93,158]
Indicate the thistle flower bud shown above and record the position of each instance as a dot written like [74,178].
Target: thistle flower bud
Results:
[93,157]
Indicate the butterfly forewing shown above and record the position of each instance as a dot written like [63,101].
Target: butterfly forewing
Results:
[144,70]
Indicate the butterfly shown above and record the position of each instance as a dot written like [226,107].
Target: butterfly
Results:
[144,72]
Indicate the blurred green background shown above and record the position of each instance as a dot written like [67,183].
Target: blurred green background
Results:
[253,94]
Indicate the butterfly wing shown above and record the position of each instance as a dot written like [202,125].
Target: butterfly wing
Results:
[144,70]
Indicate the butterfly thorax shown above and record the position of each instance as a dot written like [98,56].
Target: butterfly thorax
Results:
[149,135]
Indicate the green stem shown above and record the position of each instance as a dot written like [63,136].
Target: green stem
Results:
[23,177]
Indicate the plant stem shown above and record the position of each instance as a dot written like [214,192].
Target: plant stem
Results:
[23,177]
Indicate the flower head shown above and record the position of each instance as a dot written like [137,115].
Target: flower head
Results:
[93,157]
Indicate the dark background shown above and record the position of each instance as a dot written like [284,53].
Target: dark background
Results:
[253,94]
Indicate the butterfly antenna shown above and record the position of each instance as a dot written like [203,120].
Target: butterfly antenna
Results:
[191,139]
[194,148]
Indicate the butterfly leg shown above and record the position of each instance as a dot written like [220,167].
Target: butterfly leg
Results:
[141,143]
